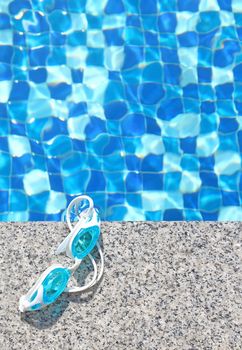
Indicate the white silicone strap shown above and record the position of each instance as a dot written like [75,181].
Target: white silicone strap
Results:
[84,215]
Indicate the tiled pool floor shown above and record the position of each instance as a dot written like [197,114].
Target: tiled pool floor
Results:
[137,103]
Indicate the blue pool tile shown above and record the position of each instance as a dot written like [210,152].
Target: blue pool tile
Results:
[76,109]
[152,163]
[133,182]
[154,215]
[188,144]
[97,182]
[57,38]
[189,162]
[5,72]
[114,6]
[228,125]
[172,181]
[4,197]
[38,56]
[4,21]
[225,5]
[153,73]
[152,126]
[206,39]
[134,199]
[172,74]
[131,93]
[17,129]
[133,125]
[210,216]
[55,57]
[207,163]
[237,72]
[77,38]
[192,215]
[133,55]
[240,140]
[207,107]
[3,110]
[151,38]
[204,74]
[114,144]
[208,123]
[228,142]
[114,37]
[208,21]
[133,20]
[205,56]
[60,21]
[191,90]
[115,183]
[5,164]
[224,57]
[230,198]
[95,127]
[18,201]
[169,55]
[6,53]
[36,216]
[151,93]
[148,7]
[173,215]
[190,200]
[188,39]
[115,110]
[168,5]
[38,75]
[171,144]
[16,6]
[133,162]
[167,22]
[188,5]
[19,39]
[152,182]
[209,179]
[4,144]
[238,106]
[21,165]
[115,199]
[170,108]
[20,91]
[5,183]
[229,182]
[17,182]
[77,75]
[224,91]
[53,165]
[210,199]
[114,75]
[60,91]
[56,127]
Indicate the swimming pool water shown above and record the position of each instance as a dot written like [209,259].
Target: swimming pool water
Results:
[137,103]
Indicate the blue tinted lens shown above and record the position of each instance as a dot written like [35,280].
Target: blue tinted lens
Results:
[54,284]
[85,241]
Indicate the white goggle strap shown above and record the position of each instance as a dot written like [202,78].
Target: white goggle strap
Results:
[81,216]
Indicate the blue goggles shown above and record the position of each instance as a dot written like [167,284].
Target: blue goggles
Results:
[84,223]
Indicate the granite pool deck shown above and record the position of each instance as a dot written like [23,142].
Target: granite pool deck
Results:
[167,285]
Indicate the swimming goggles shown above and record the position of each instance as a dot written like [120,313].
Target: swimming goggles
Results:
[84,223]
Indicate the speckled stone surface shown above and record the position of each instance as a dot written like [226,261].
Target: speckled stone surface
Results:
[174,285]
